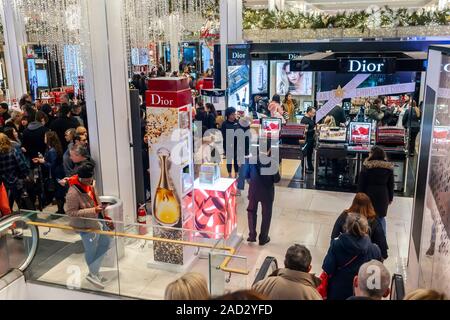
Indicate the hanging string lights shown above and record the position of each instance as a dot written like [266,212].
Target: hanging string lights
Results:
[56,25]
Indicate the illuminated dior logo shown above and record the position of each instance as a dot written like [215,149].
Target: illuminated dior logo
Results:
[237,55]
[447,67]
[158,100]
[293,56]
[362,66]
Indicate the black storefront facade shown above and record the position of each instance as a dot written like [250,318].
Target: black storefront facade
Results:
[392,65]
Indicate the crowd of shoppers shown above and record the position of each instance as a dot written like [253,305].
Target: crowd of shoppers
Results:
[36,160]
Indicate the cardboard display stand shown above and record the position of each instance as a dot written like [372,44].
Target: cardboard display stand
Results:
[169,119]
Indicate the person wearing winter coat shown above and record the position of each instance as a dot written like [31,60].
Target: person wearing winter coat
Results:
[34,137]
[261,189]
[346,255]
[376,179]
[229,126]
[13,170]
[64,122]
[411,122]
[84,208]
[294,281]
[53,170]
[362,205]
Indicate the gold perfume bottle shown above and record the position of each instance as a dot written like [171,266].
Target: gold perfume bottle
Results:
[166,208]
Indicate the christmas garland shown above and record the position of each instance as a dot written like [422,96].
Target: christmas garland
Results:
[365,19]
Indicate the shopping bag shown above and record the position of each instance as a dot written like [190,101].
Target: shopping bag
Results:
[4,201]
[323,287]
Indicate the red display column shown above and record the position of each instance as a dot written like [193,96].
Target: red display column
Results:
[169,105]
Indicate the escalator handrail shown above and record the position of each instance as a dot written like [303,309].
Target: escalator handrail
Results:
[268,261]
[397,287]
[7,221]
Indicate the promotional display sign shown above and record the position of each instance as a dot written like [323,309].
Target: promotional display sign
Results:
[295,82]
[171,169]
[238,76]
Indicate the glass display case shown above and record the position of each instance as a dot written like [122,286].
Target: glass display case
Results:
[431,224]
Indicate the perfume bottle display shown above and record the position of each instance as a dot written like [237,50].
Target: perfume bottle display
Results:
[166,207]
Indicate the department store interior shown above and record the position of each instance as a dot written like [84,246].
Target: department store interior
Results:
[132,154]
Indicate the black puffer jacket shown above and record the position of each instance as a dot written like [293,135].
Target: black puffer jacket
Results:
[377,181]
[33,139]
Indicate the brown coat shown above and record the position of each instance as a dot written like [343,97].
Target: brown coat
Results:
[287,284]
[78,206]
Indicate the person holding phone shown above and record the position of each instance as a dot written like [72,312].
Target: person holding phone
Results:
[84,207]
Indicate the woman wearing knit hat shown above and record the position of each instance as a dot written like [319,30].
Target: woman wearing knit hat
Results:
[84,208]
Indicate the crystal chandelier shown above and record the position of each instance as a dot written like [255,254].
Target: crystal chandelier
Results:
[169,21]
[54,24]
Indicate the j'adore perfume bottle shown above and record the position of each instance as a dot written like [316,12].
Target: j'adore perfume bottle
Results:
[166,208]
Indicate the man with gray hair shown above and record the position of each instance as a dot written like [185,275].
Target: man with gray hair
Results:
[372,282]
[294,282]
[78,153]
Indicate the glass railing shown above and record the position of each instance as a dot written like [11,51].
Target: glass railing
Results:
[131,260]
[227,272]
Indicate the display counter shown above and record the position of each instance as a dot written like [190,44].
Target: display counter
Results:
[338,164]
[215,208]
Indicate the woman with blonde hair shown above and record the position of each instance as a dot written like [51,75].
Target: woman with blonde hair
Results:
[361,204]
[191,286]
[81,131]
[425,294]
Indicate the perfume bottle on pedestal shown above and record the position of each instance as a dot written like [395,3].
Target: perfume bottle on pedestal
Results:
[166,207]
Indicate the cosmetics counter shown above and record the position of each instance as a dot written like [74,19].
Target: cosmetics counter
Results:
[340,154]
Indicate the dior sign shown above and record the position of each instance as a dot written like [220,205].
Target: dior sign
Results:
[366,65]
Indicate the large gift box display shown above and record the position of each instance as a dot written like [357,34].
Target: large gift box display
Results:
[215,208]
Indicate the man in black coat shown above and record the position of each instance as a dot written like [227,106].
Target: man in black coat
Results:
[308,119]
[33,139]
[261,189]
[63,123]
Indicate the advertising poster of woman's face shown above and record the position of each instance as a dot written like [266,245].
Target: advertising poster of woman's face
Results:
[297,83]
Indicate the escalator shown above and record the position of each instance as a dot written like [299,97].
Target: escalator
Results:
[269,265]
[16,253]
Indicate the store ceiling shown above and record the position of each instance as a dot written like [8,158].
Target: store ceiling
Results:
[334,5]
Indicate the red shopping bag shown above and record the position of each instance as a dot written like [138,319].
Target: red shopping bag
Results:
[4,201]
[323,287]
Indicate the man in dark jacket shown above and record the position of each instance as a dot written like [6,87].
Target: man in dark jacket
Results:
[229,126]
[411,122]
[64,122]
[261,189]
[34,136]
[308,119]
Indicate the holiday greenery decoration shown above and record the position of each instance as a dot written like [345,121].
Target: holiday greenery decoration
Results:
[385,17]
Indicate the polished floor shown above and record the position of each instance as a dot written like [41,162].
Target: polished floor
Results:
[301,216]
